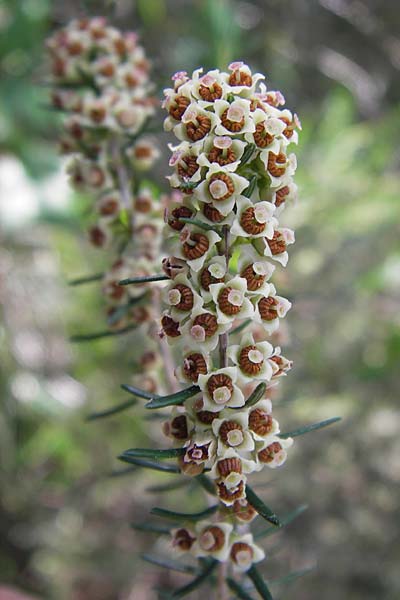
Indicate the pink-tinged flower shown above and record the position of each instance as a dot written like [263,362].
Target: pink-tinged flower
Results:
[269,309]
[230,300]
[212,540]
[221,188]
[231,431]
[181,297]
[257,270]
[272,452]
[220,390]
[244,552]
[203,328]
[276,246]
[254,220]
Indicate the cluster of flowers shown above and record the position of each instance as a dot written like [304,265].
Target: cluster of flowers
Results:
[234,170]
[101,83]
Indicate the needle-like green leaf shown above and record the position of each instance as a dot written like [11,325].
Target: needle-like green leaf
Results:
[150,464]
[153,453]
[251,187]
[87,279]
[122,310]
[173,399]
[147,279]
[170,514]
[291,577]
[256,395]
[238,589]
[197,582]
[206,484]
[108,412]
[240,327]
[308,428]
[285,520]
[259,583]
[262,509]
[167,487]
[247,154]
[88,337]
[167,563]
[152,528]
[198,223]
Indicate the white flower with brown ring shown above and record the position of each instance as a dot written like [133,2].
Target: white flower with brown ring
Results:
[221,188]
[253,359]
[231,301]
[254,220]
[269,308]
[231,431]
[219,389]
[271,452]
[212,539]
[244,552]
[181,297]
[234,118]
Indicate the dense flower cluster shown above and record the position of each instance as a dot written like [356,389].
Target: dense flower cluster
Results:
[234,170]
[101,83]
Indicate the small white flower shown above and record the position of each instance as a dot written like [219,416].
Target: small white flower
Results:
[254,220]
[272,452]
[244,552]
[219,389]
[212,540]
[269,309]
[230,300]
[231,430]
[253,359]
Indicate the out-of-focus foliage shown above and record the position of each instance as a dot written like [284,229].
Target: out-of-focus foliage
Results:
[64,523]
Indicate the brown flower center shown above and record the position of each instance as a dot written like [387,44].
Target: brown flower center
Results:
[206,416]
[212,539]
[179,429]
[170,327]
[229,465]
[198,246]
[189,168]
[249,222]
[254,281]
[206,279]
[186,301]
[241,552]
[227,181]
[217,381]
[183,540]
[143,204]
[247,365]
[196,131]
[225,305]
[194,365]
[260,422]
[212,214]
[280,196]
[180,105]
[208,322]
[229,495]
[217,155]
[276,164]
[277,244]
[261,137]
[240,78]
[214,92]
[244,511]
[267,309]
[176,213]
[268,454]
[231,432]
[233,126]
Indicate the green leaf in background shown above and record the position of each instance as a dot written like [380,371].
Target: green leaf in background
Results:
[173,399]
[87,279]
[240,327]
[285,520]
[197,582]
[89,337]
[153,453]
[262,509]
[238,589]
[167,487]
[291,577]
[256,395]
[308,428]
[147,279]
[111,411]
[151,528]
[170,514]
[169,564]
[150,464]
[259,583]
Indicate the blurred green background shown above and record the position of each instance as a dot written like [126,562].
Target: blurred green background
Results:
[64,521]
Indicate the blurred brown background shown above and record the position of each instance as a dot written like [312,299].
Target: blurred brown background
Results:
[64,522]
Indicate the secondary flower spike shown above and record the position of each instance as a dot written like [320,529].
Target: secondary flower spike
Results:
[234,168]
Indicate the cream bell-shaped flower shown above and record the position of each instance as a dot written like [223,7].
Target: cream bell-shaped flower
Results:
[240,80]
[200,449]
[276,247]
[196,246]
[109,204]
[208,87]
[268,134]
[235,118]
[185,161]
[244,552]
[269,309]
[231,431]
[195,362]
[203,328]
[222,150]
[279,165]
[253,359]
[221,188]
[213,271]
[230,300]
[219,390]
[196,123]
[179,426]
[282,364]
[272,452]
[182,540]
[181,297]
[286,193]
[229,467]
[254,220]
[261,423]
[212,539]
[256,269]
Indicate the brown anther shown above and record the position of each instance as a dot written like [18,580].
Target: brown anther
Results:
[190,468]
[208,322]
[98,114]
[198,453]
[186,301]
[206,279]
[260,422]
[97,236]
[226,428]
[229,465]
[277,244]
[109,207]
[290,127]
[217,381]
[120,46]
[183,540]
[256,103]
[240,78]
[281,194]
[148,358]
[212,213]
[170,327]
[206,416]
[229,495]
[254,281]
[268,454]
[217,155]
[196,131]
[216,534]
[143,151]
[200,247]
[185,172]
[261,137]
[228,182]
[131,80]
[107,69]
[180,105]
[74,48]
[225,306]
[244,511]
[176,213]
[233,126]
[249,222]
[143,204]
[194,365]
[277,164]
[179,429]
[267,308]
[211,93]
[246,365]
[241,547]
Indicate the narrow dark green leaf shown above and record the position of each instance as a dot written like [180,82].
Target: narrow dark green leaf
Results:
[167,563]
[291,577]
[197,582]
[152,528]
[240,327]
[238,589]
[123,472]
[250,189]
[150,464]
[259,583]
[262,509]
[101,334]
[206,484]
[247,154]
[173,399]
[87,279]
[167,487]
[170,514]
[285,520]
[111,411]
[147,279]
[256,394]
[153,453]
[138,392]
[308,428]
[198,223]
[122,310]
